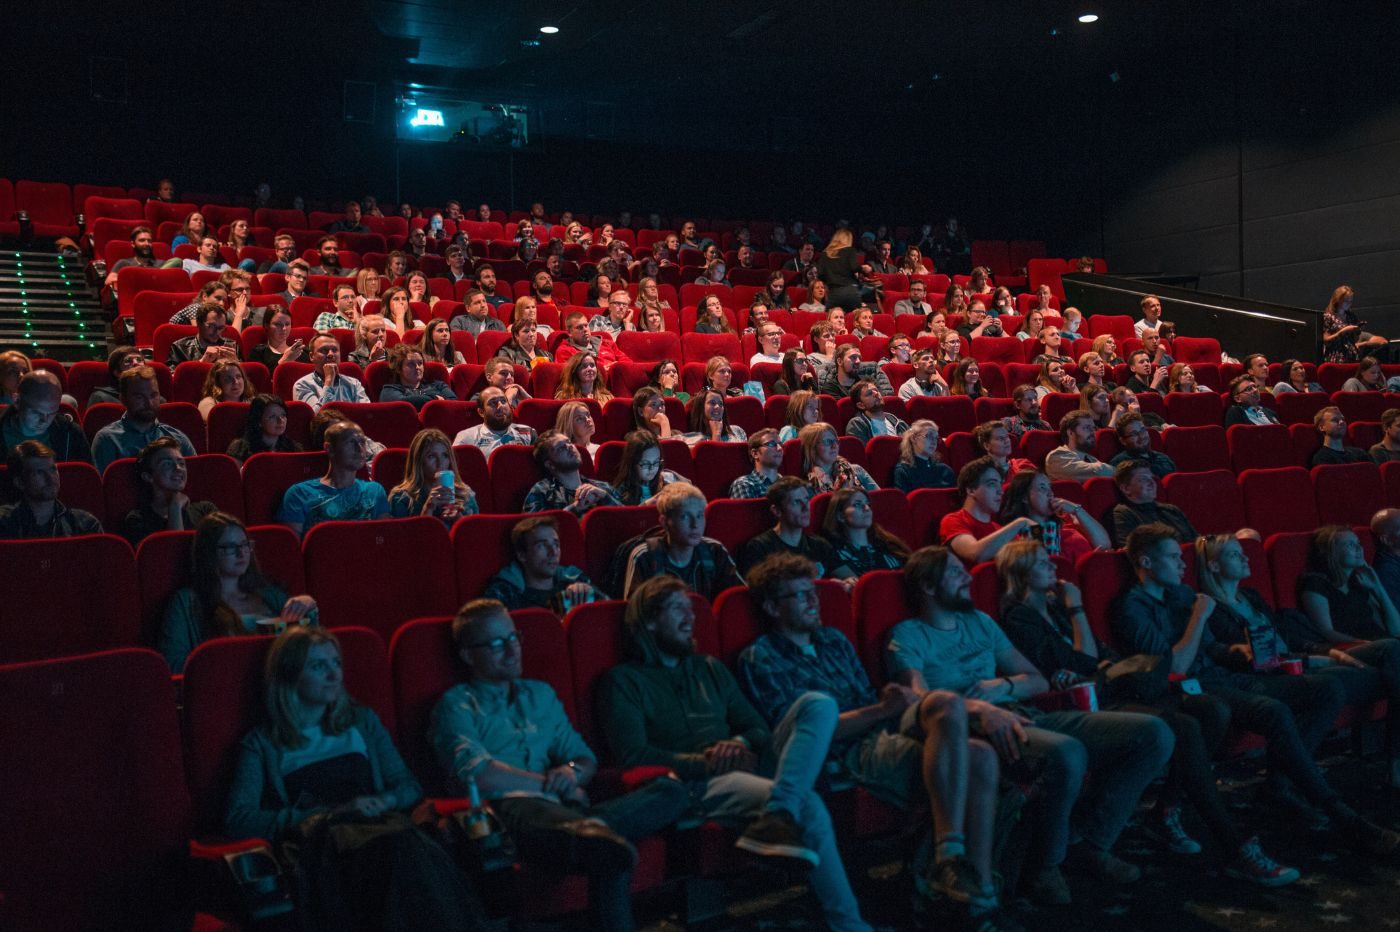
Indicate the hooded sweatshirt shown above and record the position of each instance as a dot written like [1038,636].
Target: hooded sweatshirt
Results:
[668,715]
[509,586]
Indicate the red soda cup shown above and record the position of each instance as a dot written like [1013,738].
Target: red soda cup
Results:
[1083,697]
[1293,666]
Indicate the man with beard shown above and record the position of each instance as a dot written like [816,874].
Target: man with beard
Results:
[477,318]
[486,281]
[563,486]
[682,550]
[542,287]
[338,495]
[207,344]
[208,258]
[130,434]
[848,370]
[38,512]
[871,419]
[949,645]
[350,223]
[671,706]
[496,428]
[805,259]
[329,249]
[143,256]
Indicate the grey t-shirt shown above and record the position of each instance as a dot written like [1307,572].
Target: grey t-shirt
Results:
[952,660]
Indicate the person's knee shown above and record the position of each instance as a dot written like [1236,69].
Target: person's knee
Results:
[816,707]
[942,706]
[1067,762]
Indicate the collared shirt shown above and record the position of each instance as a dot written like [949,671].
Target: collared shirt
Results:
[1146,624]
[709,572]
[1064,463]
[774,672]
[311,389]
[332,320]
[751,485]
[17,522]
[522,725]
[486,439]
[549,494]
[121,439]
[603,323]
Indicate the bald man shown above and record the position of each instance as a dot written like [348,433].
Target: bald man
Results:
[1385,529]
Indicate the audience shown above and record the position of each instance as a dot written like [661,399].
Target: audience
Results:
[871,419]
[1136,441]
[640,476]
[581,379]
[118,361]
[563,486]
[1295,378]
[926,381]
[1387,450]
[860,543]
[264,430]
[790,503]
[35,415]
[325,382]
[408,380]
[766,454]
[208,343]
[225,381]
[824,466]
[161,502]
[973,532]
[497,427]
[535,578]
[1246,406]
[36,511]
[338,495]
[1331,424]
[1026,401]
[708,419]
[1073,458]
[1064,528]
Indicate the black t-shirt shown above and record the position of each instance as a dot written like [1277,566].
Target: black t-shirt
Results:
[840,272]
[810,546]
[1326,456]
[1353,612]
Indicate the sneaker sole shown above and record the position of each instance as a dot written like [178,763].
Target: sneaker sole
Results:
[770,850]
[1281,880]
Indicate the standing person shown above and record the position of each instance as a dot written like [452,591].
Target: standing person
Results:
[320,753]
[839,268]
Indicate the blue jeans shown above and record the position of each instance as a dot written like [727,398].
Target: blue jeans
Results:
[800,744]
[1123,751]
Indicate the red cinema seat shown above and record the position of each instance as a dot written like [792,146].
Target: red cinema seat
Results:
[513,472]
[1119,325]
[267,475]
[350,598]
[392,423]
[1288,560]
[1259,447]
[1210,499]
[50,207]
[96,207]
[481,548]
[717,465]
[133,280]
[1103,574]
[926,510]
[878,604]
[952,413]
[996,349]
[1195,410]
[649,347]
[90,601]
[80,486]
[95,823]
[1196,349]
[1300,407]
[701,347]
[450,417]
[606,529]
[738,624]
[228,419]
[1278,500]
[1197,449]
[1364,406]
[1037,444]
[735,521]
[213,477]
[1347,494]
[1390,482]
[881,457]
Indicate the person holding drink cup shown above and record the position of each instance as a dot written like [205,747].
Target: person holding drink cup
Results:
[430,487]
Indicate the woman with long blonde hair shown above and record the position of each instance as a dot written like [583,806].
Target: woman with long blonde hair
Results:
[839,268]
[425,489]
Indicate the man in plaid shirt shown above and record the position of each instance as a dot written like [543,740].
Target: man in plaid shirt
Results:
[895,743]
[766,451]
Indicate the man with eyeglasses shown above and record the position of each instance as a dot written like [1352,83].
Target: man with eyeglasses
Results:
[339,495]
[850,369]
[903,748]
[1247,407]
[766,452]
[325,382]
[770,344]
[916,303]
[536,578]
[563,486]
[298,279]
[510,739]
[38,513]
[1136,440]
[682,550]
[872,420]
[790,503]
[286,249]
[138,426]
[618,317]
[345,314]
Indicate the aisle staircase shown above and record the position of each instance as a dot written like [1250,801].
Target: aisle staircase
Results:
[47,309]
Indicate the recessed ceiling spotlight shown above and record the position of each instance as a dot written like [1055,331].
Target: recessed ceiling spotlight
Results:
[1088,17]
[551,30]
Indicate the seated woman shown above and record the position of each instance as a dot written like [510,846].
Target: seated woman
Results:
[409,381]
[651,320]
[1095,371]
[640,474]
[863,323]
[710,316]
[371,341]
[949,348]
[1340,592]
[803,408]
[575,421]
[1031,326]
[394,307]
[1182,378]
[436,344]
[708,419]
[912,262]
[1064,527]
[798,374]
[955,300]
[1107,348]
[418,289]
[580,380]
[919,466]
[1123,400]
[321,754]
[161,502]
[816,298]
[836,317]
[527,307]
[525,346]
[1045,621]
[227,595]
[277,346]
[776,291]
[367,285]
[265,431]
[1003,302]
[1295,378]
[1053,379]
[598,291]
[665,377]
[993,439]
[649,413]
[1368,377]
[861,544]
[967,379]
[824,466]
[225,381]
[1095,400]
[719,375]
[430,485]
[649,295]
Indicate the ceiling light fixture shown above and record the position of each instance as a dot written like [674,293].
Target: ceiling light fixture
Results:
[549,30]
[1088,18]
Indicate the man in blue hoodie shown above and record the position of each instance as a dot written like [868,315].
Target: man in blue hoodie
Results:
[534,579]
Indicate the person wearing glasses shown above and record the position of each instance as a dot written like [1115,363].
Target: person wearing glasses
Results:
[536,577]
[338,495]
[766,452]
[298,278]
[286,249]
[619,316]
[227,594]
[510,738]
[769,337]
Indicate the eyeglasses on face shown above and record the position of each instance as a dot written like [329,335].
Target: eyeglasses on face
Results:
[496,645]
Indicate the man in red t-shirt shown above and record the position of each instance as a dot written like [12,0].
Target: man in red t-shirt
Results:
[972,532]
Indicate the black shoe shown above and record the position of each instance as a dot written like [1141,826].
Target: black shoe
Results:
[776,835]
[596,846]
[954,879]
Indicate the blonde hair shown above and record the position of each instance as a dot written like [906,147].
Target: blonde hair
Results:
[808,438]
[286,659]
[840,240]
[212,388]
[1014,562]
[913,440]
[362,279]
[564,421]
[415,478]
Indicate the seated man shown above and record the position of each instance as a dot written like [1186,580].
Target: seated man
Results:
[35,416]
[510,739]
[871,419]
[350,223]
[496,427]
[1137,489]
[486,281]
[682,550]
[1137,445]
[129,435]
[535,578]
[1387,450]
[902,748]
[298,279]
[1332,425]
[209,259]
[847,370]
[1144,375]
[325,382]
[671,706]
[1073,459]
[329,249]
[916,303]
[33,474]
[458,265]
[766,453]
[790,503]
[338,495]
[500,373]
[143,255]
[1246,407]
[950,645]
[476,319]
[1153,345]
[579,340]
[208,344]
[1162,617]
[563,486]
[926,380]
[286,249]
[618,316]
[1151,307]
[973,532]
[346,313]
[1027,416]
